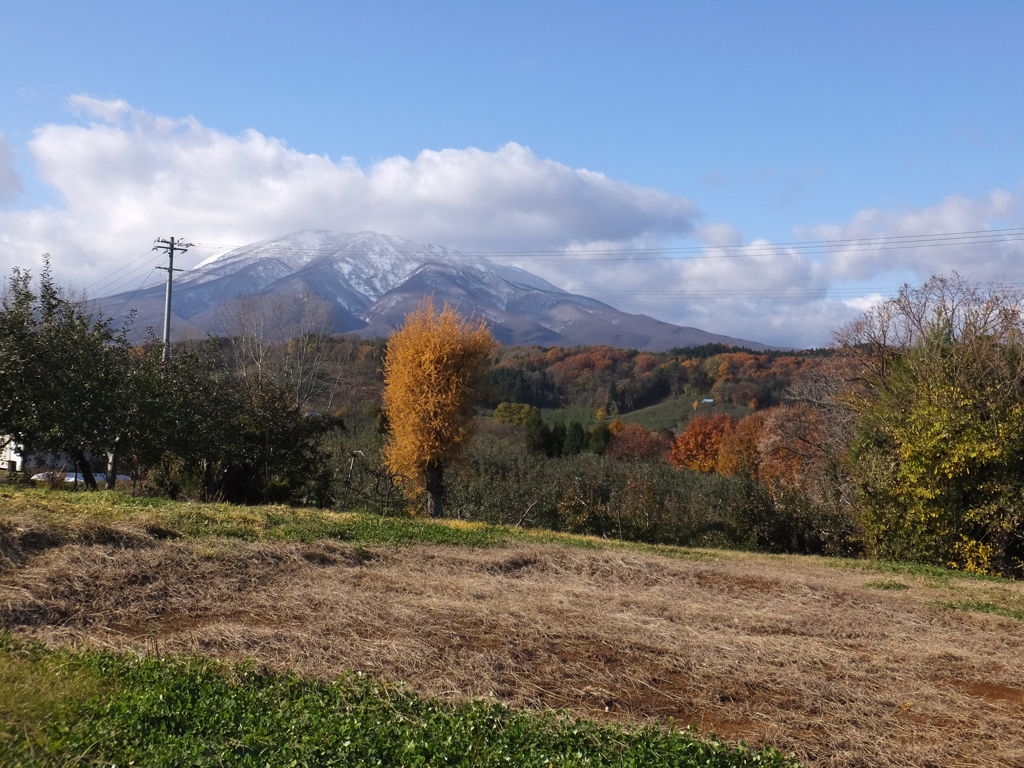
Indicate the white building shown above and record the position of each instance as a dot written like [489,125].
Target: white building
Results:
[10,455]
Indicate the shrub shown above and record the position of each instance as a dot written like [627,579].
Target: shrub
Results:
[512,413]
[501,482]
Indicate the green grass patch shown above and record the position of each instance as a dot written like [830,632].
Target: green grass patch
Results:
[104,517]
[676,413]
[192,711]
[981,606]
[37,688]
[884,585]
[585,416]
[928,575]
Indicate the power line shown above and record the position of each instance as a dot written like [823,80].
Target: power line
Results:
[128,278]
[668,253]
[881,238]
[103,279]
[737,293]
[114,314]
[678,253]
[113,288]
[762,293]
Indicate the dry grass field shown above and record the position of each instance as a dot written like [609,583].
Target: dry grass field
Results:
[834,661]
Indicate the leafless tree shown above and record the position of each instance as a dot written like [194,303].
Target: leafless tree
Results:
[280,339]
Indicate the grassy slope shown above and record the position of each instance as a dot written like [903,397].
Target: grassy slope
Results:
[676,413]
[111,517]
[673,413]
[62,707]
[107,516]
[46,685]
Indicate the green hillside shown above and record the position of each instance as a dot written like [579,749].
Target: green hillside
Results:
[675,413]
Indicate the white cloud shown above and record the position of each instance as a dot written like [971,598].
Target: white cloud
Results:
[757,292]
[789,296]
[981,261]
[131,176]
[864,303]
[10,181]
[107,111]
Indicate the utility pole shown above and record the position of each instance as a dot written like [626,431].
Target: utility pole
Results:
[171,247]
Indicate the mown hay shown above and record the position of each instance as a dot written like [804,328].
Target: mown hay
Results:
[783,651]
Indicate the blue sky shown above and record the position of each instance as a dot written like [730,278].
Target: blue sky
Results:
[770,121]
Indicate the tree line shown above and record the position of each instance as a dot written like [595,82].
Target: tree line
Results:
[76,393]
[907,441]
[624,380]
[913,431]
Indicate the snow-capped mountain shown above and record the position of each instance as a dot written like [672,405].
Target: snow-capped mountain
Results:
[371,281]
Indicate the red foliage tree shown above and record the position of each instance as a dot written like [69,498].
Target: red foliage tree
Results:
[634,443]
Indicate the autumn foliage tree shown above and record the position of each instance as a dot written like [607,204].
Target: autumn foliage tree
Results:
[939,446]
[698,446]
[634,443]
[434,377]
[740,449]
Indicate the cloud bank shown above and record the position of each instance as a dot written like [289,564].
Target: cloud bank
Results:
[981,261]
[796,296]
[125,176]
[129,176]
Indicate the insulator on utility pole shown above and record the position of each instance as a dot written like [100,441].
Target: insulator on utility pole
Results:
[170,246]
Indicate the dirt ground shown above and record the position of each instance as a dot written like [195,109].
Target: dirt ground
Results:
[785,651]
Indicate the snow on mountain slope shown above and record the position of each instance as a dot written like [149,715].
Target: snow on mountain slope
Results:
[373,280]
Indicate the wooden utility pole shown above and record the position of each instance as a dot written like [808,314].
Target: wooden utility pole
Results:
[170,246]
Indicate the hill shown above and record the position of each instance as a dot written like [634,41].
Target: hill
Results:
[368,282]
[845,663]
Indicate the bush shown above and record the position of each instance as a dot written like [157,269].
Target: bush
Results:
[512,413]
[501,482]
[361,479]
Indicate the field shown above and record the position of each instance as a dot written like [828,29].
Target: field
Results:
[843,663]
[675,413]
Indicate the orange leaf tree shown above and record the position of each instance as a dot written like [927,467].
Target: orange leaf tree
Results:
[740,451]
[697,446]
[434,376]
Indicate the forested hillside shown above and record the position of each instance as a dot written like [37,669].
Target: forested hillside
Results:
[625,380]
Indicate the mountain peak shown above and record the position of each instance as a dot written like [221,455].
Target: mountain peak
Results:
[372,280]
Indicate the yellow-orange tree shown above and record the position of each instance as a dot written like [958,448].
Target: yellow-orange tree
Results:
[434,376]
[697,447]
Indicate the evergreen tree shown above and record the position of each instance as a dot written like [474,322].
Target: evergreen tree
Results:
[63,371]
[557,440]
[599,438]
[575,439]
[538,434]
